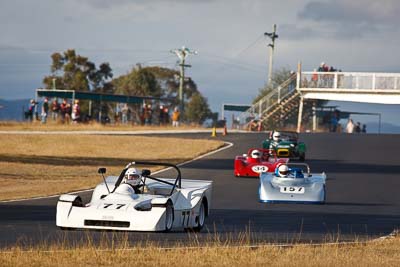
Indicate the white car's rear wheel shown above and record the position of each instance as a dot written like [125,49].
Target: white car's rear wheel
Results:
[169,216]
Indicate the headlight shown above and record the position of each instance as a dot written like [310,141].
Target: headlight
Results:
[292,145]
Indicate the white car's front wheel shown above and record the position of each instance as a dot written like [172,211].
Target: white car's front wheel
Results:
[169,216]
[201,218]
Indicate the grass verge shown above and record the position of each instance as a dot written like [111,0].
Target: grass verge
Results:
[38,165]
[54,126]
[111,253]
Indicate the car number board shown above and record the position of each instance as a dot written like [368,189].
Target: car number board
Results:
[259,168]
[292,189]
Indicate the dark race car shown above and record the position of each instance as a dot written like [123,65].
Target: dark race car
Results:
[257,161]
[286,144]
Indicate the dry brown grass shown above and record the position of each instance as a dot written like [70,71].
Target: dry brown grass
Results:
[375,253]
[37,165]
[52,126]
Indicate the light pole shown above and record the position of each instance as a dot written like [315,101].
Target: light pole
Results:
[273,36]
[182,54]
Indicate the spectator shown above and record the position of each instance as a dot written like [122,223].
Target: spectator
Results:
[358,127]
[55,109]
[175,117]
[364,128]
[45,110]
[350,126]
[124,112]
[148,114]
[334,122]
[324,77]
[31,110]
[314,79]
[340,79]
[325,67]
[142,115]
[161,116]
[304,82]
[68,111]
[321,67]
[166,115]
[63,110]
[76,112]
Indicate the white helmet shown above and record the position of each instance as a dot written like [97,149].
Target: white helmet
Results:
[276,136]
[255,154]
[283,170]
[132,177]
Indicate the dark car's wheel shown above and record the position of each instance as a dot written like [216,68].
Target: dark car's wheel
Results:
[201,218]
[169,216]
[302,157]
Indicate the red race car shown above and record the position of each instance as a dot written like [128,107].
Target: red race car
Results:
[256,161]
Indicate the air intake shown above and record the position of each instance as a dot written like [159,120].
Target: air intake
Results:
[107,223]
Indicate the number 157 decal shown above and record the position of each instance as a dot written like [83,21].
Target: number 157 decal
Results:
[292,189]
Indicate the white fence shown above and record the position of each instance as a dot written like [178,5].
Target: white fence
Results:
[349,81]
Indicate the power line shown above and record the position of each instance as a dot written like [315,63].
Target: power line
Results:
[249,46]
[229,61]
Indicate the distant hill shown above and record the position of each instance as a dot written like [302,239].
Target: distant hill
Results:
[13,109]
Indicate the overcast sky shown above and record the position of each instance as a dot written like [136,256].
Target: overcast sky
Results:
[231,65]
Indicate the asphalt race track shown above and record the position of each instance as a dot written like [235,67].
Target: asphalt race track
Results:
[363,199]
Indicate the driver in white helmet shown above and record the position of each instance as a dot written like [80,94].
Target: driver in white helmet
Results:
[256,154]
[134,178]
[283,171]
[276,136]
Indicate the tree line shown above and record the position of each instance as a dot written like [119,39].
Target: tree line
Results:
[72,71]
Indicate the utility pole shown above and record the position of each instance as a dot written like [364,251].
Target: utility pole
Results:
[54,83]
[273,36]
[182,54]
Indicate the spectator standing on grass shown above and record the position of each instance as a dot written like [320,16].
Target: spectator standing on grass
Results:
[161,116]
[124,112]
[45,110]
[76,112]
[68,111]
[63,110]
[31,110]
[350,126]
[166,115]
[148,114]
[55,109]
[175,117]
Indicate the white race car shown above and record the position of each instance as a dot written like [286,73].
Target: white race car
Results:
[297,186]
[156,204]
